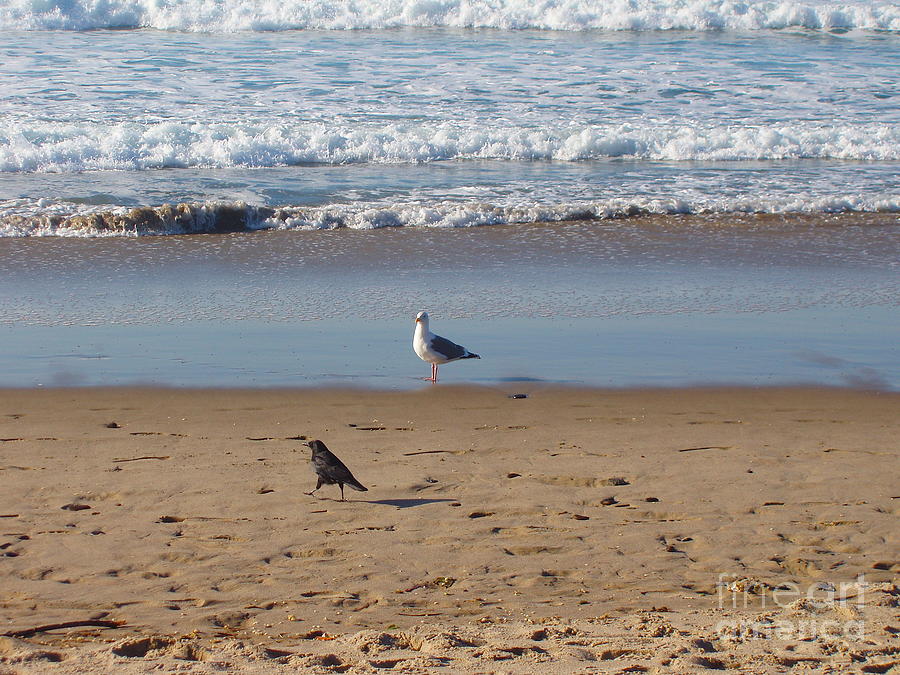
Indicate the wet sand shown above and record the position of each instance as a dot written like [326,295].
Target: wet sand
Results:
[569,531]
[646,301]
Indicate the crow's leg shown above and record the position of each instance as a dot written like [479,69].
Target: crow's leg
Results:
[318,485]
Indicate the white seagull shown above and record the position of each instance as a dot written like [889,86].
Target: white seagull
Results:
[435,349]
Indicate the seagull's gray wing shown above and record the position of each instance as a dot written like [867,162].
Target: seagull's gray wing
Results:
[447,349]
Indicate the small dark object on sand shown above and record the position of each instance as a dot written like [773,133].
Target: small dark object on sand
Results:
[331,470]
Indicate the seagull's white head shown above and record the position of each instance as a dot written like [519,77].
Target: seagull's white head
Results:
[422,317]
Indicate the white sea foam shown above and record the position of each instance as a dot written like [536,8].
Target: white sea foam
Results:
[24,218]
[52,147]
[274,15]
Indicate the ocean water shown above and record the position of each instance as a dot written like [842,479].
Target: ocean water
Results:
[664,165]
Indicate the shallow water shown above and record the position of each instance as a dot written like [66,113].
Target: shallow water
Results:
[446,126]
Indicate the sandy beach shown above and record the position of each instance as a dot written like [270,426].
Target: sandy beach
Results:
[570,530]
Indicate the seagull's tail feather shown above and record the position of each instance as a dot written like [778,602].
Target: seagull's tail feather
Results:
[470,355]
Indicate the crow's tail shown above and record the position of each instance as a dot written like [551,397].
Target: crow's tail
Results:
[356,485]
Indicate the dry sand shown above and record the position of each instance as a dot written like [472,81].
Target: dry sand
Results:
[569,531]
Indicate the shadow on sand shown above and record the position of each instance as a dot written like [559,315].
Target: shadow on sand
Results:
[408,503]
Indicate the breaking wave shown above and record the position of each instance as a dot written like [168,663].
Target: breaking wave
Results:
[57,147]
[565,15]
[20,218]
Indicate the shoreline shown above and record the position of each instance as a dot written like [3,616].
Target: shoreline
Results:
[508,387]
[575,528]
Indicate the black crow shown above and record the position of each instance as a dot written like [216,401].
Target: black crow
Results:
[331,470]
